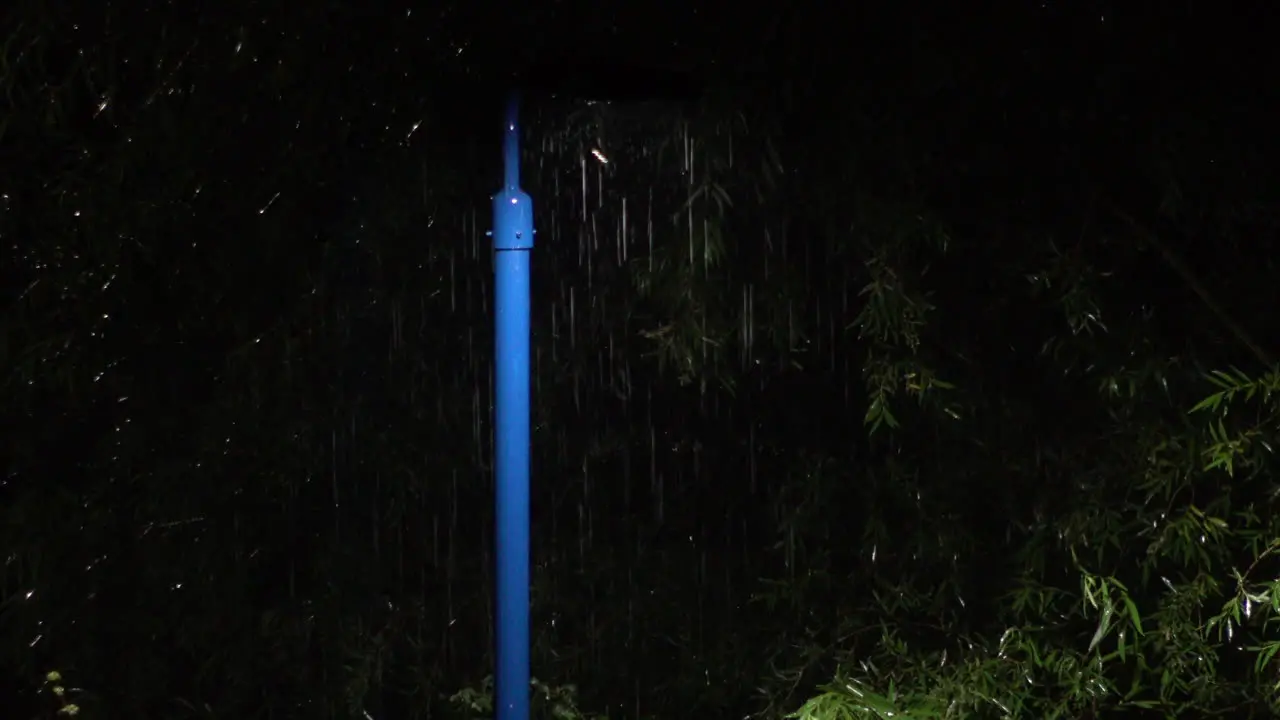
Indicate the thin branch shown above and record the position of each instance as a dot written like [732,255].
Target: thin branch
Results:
[1178,266]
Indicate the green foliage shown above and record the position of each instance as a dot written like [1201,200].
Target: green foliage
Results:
[548,702]
[1142,580]
[1134,571]
[55,687]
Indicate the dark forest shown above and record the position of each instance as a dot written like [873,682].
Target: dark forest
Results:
[891,360]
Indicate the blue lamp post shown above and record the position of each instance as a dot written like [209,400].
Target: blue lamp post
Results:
[512,242]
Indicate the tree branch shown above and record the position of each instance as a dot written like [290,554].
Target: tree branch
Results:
[1178,266]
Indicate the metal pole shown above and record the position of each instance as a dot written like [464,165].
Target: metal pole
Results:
[512,243]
